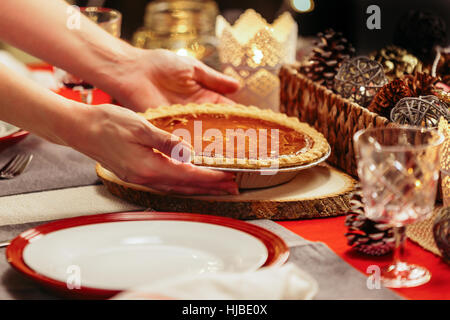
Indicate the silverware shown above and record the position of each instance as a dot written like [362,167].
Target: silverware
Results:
[15,166]
[4,244]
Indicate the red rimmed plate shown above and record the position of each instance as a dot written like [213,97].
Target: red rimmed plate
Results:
[109,253]
[11,139]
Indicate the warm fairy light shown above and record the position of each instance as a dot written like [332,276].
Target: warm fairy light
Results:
[182,52]
[257,55]
[302,5]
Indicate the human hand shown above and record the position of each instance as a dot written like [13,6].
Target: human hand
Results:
[123,143]
[151,78]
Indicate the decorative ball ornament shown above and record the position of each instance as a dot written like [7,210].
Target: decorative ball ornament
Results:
[397,61]
[423,111]
[359,79]
[364,235]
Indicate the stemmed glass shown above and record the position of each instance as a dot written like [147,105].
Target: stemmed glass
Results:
[399,171]
[108,19]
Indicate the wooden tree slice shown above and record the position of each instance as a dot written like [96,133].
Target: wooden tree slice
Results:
[321,191]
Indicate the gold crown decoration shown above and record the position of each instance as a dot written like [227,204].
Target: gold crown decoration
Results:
[252,51]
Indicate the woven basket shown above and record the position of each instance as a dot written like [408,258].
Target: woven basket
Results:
[338,119]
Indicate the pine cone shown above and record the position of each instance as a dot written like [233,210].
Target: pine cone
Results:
[330,51]
[364,235]
[421,84]
[388,96]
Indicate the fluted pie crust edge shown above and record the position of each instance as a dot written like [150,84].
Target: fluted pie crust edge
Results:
[318,150]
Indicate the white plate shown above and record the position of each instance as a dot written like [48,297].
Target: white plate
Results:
[121,255]
[7,129]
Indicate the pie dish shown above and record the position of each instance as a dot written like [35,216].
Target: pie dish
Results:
[241,137]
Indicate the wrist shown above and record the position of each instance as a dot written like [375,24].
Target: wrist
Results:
[70,122]
[112,66]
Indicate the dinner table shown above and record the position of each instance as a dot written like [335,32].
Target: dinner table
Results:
[62,183]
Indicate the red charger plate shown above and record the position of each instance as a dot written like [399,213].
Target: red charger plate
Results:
[14,138]
[277,249]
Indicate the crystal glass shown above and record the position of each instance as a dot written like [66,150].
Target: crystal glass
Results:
[399,172]
[185,27]
[111,21]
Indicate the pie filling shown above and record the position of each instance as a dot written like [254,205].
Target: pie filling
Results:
[235,136]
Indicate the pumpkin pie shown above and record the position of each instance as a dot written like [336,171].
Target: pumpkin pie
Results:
[238,136]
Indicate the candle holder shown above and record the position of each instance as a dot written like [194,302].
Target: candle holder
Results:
[252,51]
[184,27]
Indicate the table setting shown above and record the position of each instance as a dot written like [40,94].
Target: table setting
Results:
[348,201]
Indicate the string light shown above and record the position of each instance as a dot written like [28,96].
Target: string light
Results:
[302,5]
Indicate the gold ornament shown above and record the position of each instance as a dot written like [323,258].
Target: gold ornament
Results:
[397,62]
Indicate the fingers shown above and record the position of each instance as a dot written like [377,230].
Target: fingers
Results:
[187,173]
[153,169]
[167,143]
[214,80]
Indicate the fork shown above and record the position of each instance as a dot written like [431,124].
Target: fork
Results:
[15,166]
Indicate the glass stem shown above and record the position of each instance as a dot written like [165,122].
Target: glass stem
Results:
[400,236]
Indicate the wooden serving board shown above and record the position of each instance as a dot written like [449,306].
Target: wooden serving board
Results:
[321,191]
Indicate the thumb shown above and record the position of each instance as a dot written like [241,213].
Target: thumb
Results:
[169,144]
[214,80]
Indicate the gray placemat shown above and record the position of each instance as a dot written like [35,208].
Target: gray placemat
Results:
[53,167]
[336,278]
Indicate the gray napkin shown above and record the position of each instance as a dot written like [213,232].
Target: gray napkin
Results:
[336,278]
[53,167]
[13,285]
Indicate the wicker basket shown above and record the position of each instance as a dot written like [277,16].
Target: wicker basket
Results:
[338,119]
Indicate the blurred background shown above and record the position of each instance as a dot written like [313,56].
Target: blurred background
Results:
[347,16]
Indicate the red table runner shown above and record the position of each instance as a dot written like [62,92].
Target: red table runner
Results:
[331,231]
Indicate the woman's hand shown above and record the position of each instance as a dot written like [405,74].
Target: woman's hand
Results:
[151,78]
[139,79]
[124,143]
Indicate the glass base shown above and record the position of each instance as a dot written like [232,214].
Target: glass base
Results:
[403,275]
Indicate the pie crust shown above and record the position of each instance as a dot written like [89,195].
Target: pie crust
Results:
[317,145]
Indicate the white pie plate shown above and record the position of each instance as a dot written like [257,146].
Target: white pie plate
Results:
[110,253]
[268,177]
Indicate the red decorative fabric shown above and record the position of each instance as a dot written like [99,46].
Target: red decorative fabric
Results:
[99,97]
[331,231]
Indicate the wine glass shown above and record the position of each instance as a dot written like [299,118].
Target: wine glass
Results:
[108,19]
[399,172]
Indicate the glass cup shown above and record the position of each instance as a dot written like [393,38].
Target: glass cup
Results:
[111,21]
[399,172]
